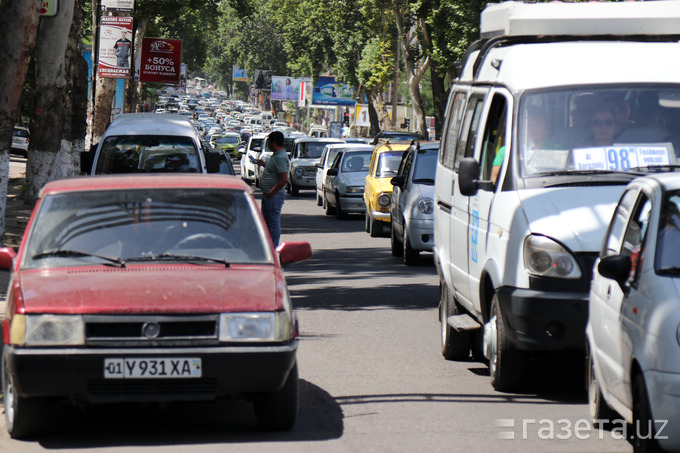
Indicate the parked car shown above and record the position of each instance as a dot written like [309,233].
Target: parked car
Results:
[148,143]
[327,156]
[412,206]
[531,169]
[225,161]
[303,159]
[145,288]
[378,189]
[633,323]
[344,186]
[20,138]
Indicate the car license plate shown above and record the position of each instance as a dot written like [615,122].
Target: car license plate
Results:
[152,368]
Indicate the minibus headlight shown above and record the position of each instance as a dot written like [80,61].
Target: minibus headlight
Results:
[546,258]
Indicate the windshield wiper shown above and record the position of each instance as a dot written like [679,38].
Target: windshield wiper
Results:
[579,172]
[173,257]
[665,167]
[77,253]
[424,181]
[669,271]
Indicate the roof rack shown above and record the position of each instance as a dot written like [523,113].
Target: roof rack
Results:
[513,18]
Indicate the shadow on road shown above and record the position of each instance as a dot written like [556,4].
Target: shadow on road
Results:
[115,425]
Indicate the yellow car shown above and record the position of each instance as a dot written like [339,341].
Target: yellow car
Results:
[378,189]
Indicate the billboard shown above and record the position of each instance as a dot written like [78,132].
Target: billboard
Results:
[239,74]
[263,79]
[118,5]
[115,47]
[285,88]
[329,92]
[161,61]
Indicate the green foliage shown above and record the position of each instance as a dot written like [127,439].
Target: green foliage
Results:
[376,67]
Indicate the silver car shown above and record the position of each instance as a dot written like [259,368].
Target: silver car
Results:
[344,186]
[412,205]
[633,328]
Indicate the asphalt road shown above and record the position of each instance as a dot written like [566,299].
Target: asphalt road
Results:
[372,375]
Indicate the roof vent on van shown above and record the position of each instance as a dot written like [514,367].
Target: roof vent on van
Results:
[580,19]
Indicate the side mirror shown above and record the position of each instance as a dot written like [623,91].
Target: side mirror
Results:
[212,162]
[332,172]
[86,160]
[616,267]
[7,255]
[468,172]
[398,181]
[293,252]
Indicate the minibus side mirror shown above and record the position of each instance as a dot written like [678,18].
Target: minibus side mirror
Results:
[468,172]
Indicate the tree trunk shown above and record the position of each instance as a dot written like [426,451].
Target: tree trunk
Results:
[18,31]
[414,74]
[439,92]
[382,115]
[134,87]
[52,154]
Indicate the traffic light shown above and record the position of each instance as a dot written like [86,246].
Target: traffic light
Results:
[407,122]
[145,108]
[346,119]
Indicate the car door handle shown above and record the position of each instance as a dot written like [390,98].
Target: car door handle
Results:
[609,291]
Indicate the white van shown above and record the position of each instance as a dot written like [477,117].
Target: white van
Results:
[557,108]
[149,143]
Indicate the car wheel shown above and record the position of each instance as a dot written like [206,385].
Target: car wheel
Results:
[506,363]
[644,429]
[395,244]
[411,256]
[330,210]
[277,411]
[599,409]
[319,200]
[23,415]
[288,189]
[367,219]
[375,228]
[294,189]
[339,214]
[455,345]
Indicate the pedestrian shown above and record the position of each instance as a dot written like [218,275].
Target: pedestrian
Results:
[273,184]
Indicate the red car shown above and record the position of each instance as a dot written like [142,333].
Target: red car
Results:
[149,288]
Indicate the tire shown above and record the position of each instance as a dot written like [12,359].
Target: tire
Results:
[338,209]
[396,245]
[319,200]
[375,228]
[23,416]
[367,219]
[277,411]
[599,409]
[411,256]
[330,210]
[455,345]
[643,439]
[294,189]
[506,365]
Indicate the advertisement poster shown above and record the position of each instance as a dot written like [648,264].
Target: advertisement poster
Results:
[285,88]
[263,79]
[115,47]
[118,5]
[161,60]
[239,74]
[361,112]
[329,92]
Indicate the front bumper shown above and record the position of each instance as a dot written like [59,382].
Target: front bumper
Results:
[544,320]
[352,203]
[421,234]
[78,373]
[304,182]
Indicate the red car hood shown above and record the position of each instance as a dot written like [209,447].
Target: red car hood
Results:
[150,289]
